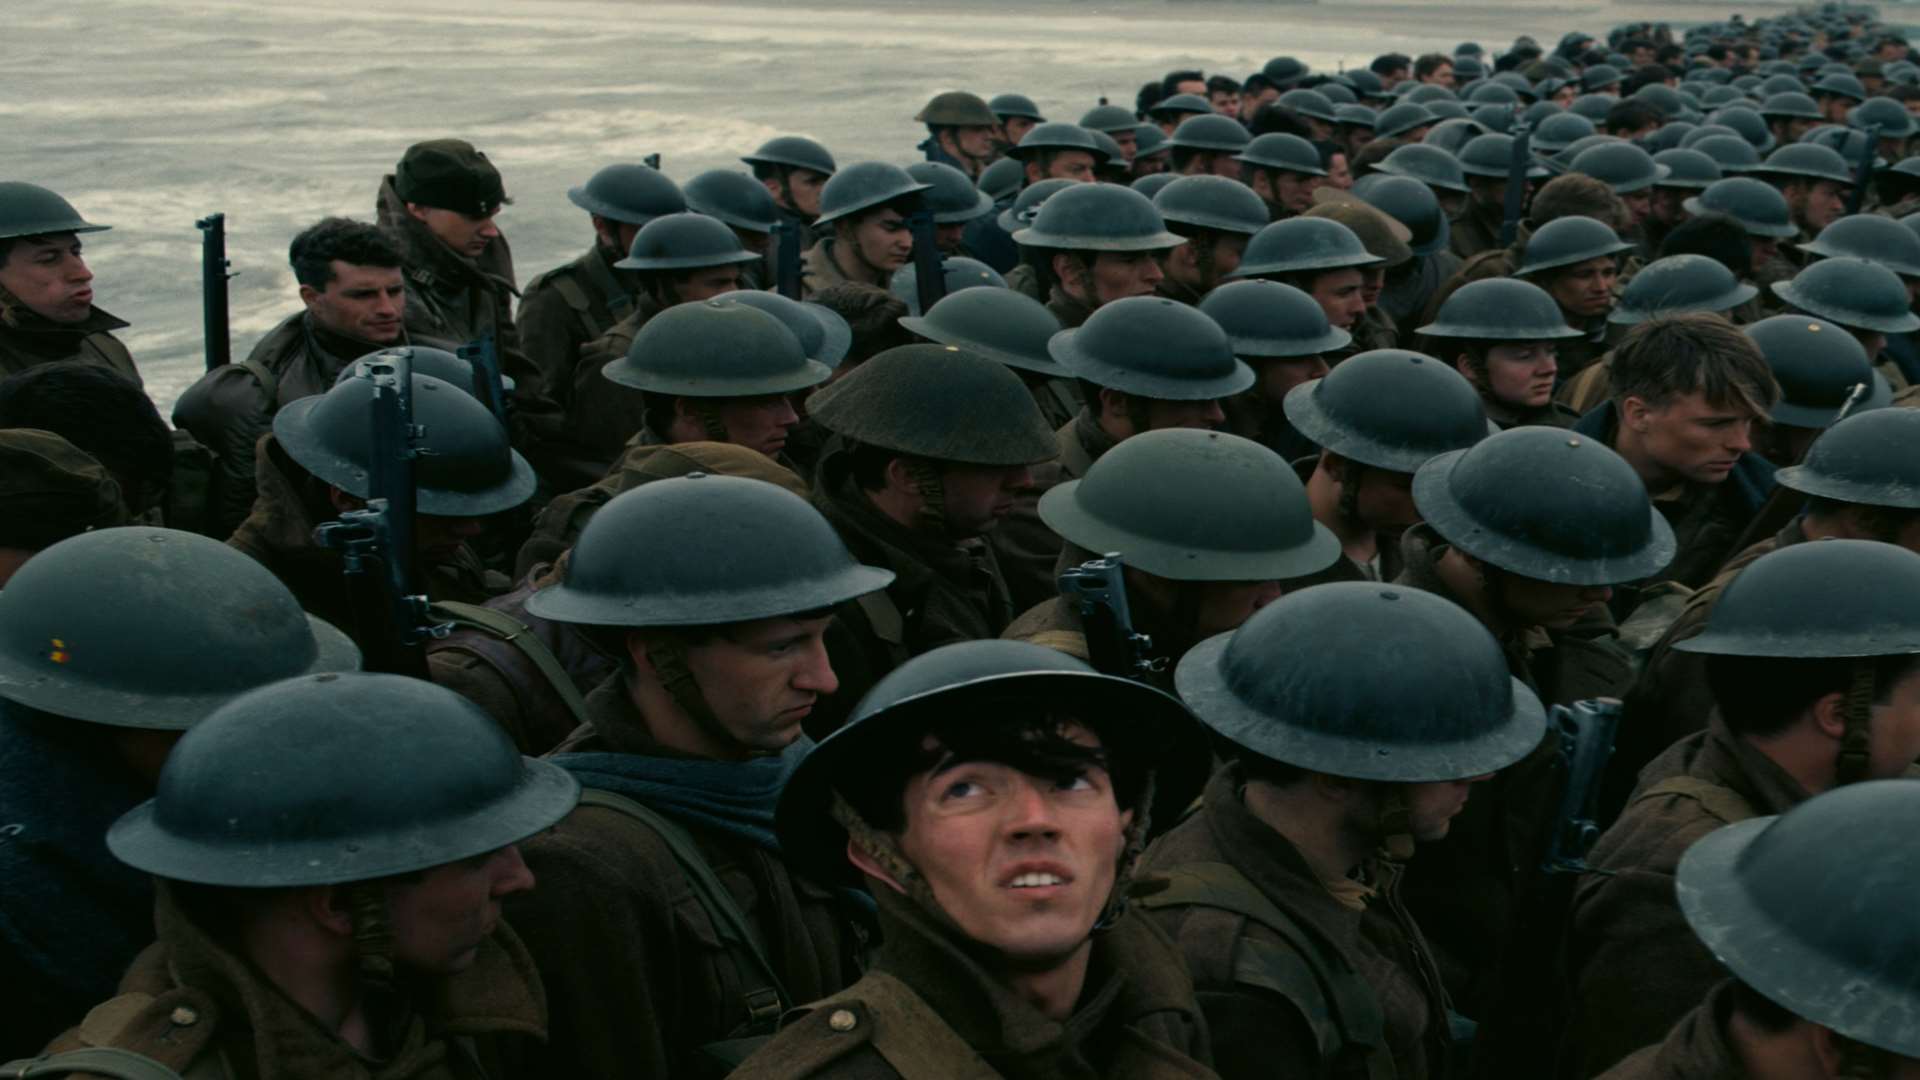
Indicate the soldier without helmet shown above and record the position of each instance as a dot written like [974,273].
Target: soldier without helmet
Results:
[354,302]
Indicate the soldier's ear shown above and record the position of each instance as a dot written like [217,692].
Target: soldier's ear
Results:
[329,908]
[865,864]
[1829,713]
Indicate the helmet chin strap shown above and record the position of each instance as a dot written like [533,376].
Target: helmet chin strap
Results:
[1396,823]
[667,652]
[933,492]
[372,935]
[1855,737]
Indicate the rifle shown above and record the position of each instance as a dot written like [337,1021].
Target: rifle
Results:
[213,289]
[376,543]
[786,259]
[1586,732]
[1863,173]
[929,271]
[487,384]
[1517,167]
[651,161]
[1098,592]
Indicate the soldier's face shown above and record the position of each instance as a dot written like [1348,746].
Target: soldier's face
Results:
[1226,103]
[1585,290]
[760,423]
[1338,174]
[365,303]
[1069,165]
[1294,191]
[47,274]
[1819,204]
[1488,191]
[977,497]
[975,142]
[707,283]
[802,192]
[1277,376]
[1015,128]
[1519,375]
[441,916]
[1638,204]
[1549,604]
[1224,605]
[1665,205]
[761,680]
[1894,731]
[948,238]
[1340,295]
[1204,415]
[1128,143]
[1372,280]
[1690,437]
[466,234]
[1117,275]
[1385,499]
[1022,864]
[1432,807]
[883,241]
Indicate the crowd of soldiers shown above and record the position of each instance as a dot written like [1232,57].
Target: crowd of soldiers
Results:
[1412,572]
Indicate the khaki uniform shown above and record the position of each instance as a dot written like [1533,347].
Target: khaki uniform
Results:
[1471,890]
[819,272]
[1477,229]
[453,300]
[1267,1010]
[1586,390]
[28,339]
[929,1009]
[1637,967]
[1670,699]
[568,306]
[195,1006]
[279,535]
[635,969]
[1552,414]
[1698,1047]
[230,407]
[603,414]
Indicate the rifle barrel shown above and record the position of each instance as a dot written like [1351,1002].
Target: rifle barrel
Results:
[213,289]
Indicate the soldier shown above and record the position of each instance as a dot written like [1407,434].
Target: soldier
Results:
[1789,115]
[438,205]
[317,462]
[743,205]
[1854,485]
[1049,152]
[1891,244]
[1430,165]
[1811,661]
[953,201]
[1208,146]
[354,301]
[1815,180]
[714,371]
[1763,212]
[960,132]
[570,305]
[1206,526]
[1386,240]
[49,490]
[530,674]
[977,769]
[1835,94]
[1377,418]
[867,204]
[46,290]
[794,169]
[1014,329]
[1320,257]
[1503,334]
[1283,889]
[1281,333]
[684,750]
[1630,171]
[288,947]
[1116,123]
[1017,115]
[1093,244]
[1216,216]
[1487,161]
[936,445]
[96,696]
[1412,286]
[110,419]
[1528,531]
[1673,285]
[1692,172]
[1577,261]
[1283,170]
[1752,891]
[1866,299]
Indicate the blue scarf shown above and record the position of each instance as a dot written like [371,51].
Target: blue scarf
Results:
[733,797]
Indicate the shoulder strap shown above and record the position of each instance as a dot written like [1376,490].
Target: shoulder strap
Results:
[618,301]
[1722,803]
[884,615]
[518,634]
[269,382]
[1308,970]
[914,1040]
[766,1001]
[101,1060]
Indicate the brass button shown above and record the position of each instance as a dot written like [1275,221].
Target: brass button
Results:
[184,1017]
[842,1020]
